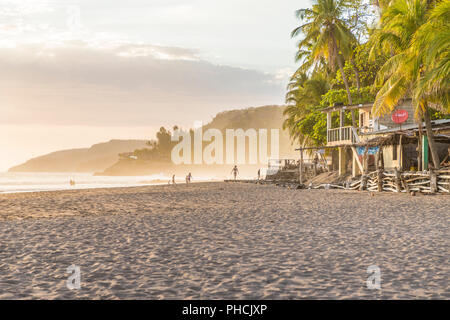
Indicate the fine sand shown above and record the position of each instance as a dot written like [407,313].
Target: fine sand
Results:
[223,241]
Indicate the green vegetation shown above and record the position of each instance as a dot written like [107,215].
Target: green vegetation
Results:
[363,95]
[159,149]
[265,117]
[350,53]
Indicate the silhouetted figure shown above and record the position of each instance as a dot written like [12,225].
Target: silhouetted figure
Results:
[259,174]
[188,178]
[173,179]
[315,162]
[235,172]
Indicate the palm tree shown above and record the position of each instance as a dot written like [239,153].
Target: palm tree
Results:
[303,93]
[309,64]
[406,73]
[435,36]
[326,35]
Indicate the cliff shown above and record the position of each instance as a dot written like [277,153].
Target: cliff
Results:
[96,158]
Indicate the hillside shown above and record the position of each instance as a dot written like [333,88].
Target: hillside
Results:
[266,117]
[96,158]
[103,157]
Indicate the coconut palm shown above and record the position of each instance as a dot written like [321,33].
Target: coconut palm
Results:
[434,35]
[325,35]
[303,93]
[309,64]
[405,73]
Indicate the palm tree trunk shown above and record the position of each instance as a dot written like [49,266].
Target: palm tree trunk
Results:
[344,78]
[430,137]
[358,86]
[356,72]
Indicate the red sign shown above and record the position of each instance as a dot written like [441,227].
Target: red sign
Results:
[400,116]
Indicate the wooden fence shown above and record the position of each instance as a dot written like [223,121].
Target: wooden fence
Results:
[409,181]
[378,181]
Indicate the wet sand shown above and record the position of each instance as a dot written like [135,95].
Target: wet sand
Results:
[223,241]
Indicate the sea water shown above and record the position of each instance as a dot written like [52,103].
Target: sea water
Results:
[11,182]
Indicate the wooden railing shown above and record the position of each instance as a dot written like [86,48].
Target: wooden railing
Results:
[342,135]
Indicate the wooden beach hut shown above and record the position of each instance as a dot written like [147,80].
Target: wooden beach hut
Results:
[395,141]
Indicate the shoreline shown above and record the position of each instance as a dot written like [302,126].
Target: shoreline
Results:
[96,188]
[76,189]
[84,186]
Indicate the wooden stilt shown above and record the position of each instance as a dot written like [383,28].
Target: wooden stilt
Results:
[398,180]
[300,168]
[364,176]
[433,182]
[379,171]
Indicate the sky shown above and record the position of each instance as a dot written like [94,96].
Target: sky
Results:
[79,72]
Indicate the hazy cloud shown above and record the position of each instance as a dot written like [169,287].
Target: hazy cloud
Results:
[76,72]
[127,85]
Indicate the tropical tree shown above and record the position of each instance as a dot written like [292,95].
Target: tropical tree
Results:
[406,56]
[303,94]
[309,64]
[434,35]
[325,35]
[406,73]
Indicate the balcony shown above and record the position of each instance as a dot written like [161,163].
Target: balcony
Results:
[342,136]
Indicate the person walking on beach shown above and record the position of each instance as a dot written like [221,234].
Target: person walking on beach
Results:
[259,174]
[315,163]
[188,178]
[235,172]
[173,179]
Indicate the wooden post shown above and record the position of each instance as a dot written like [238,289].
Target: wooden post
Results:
[300,168]
[329,114]
[356,166]
[380,179]
[419,147]
[329,125]
[398,180]
[364,176]
[379,171]
[366,160]
[342,161]
[377,160]
[433,182]
[315,160]
[400,153]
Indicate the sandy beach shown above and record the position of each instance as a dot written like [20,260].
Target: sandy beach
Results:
[223,241]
